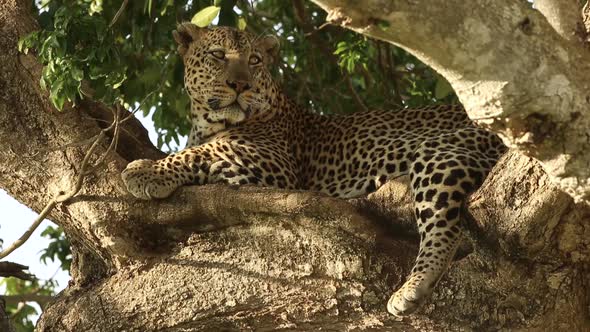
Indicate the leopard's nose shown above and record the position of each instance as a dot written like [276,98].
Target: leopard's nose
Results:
[238,85]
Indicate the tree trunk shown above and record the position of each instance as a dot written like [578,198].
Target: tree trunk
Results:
[216,257]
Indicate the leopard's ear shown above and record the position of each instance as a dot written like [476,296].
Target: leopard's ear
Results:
[269,45]
[185,34]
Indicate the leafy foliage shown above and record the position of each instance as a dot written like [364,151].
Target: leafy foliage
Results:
[58,248]
[74,47]
[204,17]
[116,54]
[87,52]
[21,314]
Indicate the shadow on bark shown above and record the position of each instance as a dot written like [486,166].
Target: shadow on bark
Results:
[310,262]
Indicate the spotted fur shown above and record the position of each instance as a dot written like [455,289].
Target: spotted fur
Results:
[286,146]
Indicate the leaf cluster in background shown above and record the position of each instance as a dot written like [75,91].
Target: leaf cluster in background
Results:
[325,67]
[21,315]
[58,248]
[86,53]
[76,46]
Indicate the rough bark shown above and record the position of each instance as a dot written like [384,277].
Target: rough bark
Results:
[514,73]
[216,257]
[565,16]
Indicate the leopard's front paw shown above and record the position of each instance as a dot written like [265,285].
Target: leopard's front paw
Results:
[409,297]
[143,180]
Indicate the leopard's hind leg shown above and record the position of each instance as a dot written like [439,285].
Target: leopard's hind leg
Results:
[443,173]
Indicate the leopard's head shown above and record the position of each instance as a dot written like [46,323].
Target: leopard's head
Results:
[226,69]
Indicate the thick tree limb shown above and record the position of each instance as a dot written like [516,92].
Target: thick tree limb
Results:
[511,70]
[565,16]
[327,266]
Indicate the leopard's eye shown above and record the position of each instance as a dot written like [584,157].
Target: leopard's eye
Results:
[218,54]
[254,60]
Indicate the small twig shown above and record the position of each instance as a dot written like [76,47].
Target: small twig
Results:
[335,91]
[85,169]
[315,30]
[65,146]
[161,83]
[123,130]
[131,114]
[59,199]
[21,298]
[29,231]
[118,14]
[114,141]
[357,98]
[62,197]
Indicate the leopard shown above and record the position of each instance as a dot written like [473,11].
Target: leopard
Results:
[278,143]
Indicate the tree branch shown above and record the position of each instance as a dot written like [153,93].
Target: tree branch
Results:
[358,100]
[10,269]
[586,20]
[304,262]
[565,16]
[42,300]
[118,13]
[5,324]
[511,70]
[29,230]
[83,170]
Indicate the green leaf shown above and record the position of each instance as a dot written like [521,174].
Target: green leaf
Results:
[118,83]
[362,83]
[169,3]
[160,141]
[95,7]
[77,74]
[383,25]
[43,80]
[341,47]
[241,23]
[20,46]
[58,247]
[56,87]
[442,88]
[147,7]
[350,65]
[58,101]
[204,17]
